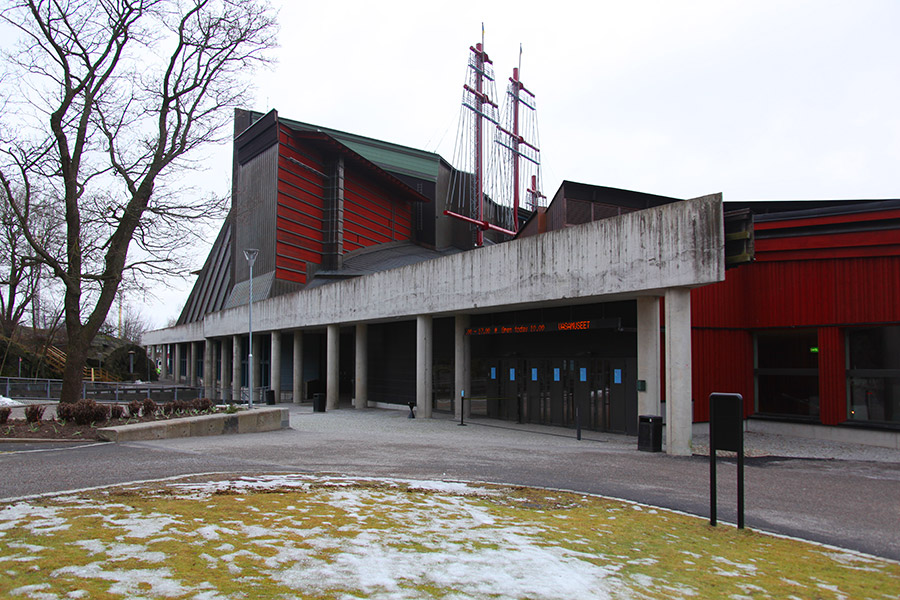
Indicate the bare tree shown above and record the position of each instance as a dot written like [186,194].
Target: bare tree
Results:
[21,281]
[111,99]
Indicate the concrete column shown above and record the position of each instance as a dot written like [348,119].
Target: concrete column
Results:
[679,411]
[648,354]
[297,374]
[193,351]
[332,366]
[275,365]
[362,366]
[209,370]
[225,353]
[153,350]
[164,367]
[176,367]
[462,373]
[257,344]
[236,368]
[424,355]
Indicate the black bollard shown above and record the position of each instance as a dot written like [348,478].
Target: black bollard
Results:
[412,413]
[462,408]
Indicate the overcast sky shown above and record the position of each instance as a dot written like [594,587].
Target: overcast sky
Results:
[758,100]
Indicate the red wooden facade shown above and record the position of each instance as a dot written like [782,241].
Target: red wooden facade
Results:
[373,212]
[821,273]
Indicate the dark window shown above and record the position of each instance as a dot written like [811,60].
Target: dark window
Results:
[787,373]
[873,374]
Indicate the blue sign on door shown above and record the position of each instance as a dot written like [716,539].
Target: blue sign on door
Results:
[583,374]
[493,372]
[534,373]
[556,374]
[617,375]
[512,374]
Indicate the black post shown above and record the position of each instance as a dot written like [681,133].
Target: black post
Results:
[726,432]
[712,464]
[577,417]
[740,486]
[462,408]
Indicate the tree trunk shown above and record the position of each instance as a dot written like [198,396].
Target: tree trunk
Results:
[73,375]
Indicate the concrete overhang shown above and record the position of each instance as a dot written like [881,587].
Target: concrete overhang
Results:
[642,253]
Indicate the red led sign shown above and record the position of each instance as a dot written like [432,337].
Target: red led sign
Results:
[534,328]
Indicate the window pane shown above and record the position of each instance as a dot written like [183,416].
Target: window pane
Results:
[875,348]
[875,399]
[787,350]
[792,395]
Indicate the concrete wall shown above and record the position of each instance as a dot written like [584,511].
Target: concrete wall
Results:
[641,253]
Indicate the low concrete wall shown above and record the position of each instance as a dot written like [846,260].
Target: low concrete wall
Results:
[245,421]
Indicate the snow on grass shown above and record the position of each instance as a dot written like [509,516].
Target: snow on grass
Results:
[287,536]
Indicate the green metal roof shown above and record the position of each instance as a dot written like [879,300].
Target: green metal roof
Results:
[400,160]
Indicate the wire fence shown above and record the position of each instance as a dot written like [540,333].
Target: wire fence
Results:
[20,388]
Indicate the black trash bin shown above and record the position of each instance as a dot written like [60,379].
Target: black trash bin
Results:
[318,402]
[270,397]
[650,433]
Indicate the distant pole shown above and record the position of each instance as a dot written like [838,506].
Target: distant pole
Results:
[250,255]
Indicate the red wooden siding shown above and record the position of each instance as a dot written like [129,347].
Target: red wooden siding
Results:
[802,294]
[723,362]
[371,216]
[299,236]
[827,282]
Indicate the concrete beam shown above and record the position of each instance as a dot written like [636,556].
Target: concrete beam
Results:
[176,368]
[462,373]
[275,365]
[679,408]
[193,351]
[362,366]
[640,253]
[648,339]
[225,354]
[297,374]
[424,360]
[209,370]
[332,367]
[236,370]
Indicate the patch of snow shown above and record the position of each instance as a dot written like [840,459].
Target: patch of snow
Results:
[126,582]
[4,401]
[38,519]
[34,592]
[121,551]
[139,525]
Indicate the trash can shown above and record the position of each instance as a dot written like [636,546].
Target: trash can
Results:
[270,397]
[318,402]
[650,433]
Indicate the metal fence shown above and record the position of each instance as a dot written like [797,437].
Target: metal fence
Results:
[19,388]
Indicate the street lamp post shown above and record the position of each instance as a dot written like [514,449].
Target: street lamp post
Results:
[250,255]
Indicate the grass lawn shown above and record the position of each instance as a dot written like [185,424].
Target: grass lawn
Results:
[299,536]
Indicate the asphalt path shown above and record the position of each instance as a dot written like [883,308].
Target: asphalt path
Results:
[847,503]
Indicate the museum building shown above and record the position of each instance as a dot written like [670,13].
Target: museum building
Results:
[606,305]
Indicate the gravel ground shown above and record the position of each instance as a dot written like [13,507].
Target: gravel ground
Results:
[755,444]
[766,444]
